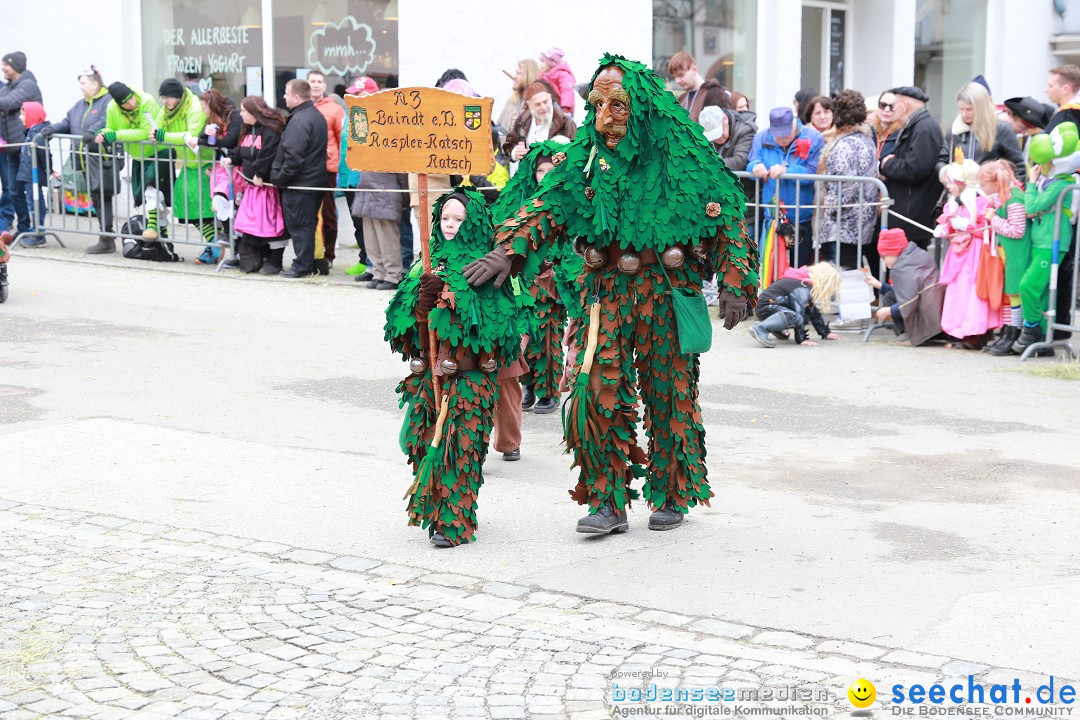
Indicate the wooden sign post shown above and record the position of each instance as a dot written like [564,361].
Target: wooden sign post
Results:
[425,131]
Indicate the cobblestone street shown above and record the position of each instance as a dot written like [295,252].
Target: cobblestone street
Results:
[201,517]
[104,617]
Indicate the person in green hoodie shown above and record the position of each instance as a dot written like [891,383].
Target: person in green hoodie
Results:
[129,119]
[1057,160]
[179,121]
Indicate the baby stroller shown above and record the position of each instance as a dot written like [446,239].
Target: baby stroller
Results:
[5,254]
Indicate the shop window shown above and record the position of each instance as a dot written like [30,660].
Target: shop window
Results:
[344,39]
[720,34]
[204,44]
[950,50]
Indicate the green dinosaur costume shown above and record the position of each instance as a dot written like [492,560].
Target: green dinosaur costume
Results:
[639,178]
[480,330]
[544,352]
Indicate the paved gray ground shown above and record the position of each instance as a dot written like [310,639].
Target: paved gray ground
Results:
[911,501]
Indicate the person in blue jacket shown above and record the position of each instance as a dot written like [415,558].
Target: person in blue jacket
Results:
[788,147]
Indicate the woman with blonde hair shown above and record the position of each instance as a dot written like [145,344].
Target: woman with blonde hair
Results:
[526,73]
[979,134]
[803,295]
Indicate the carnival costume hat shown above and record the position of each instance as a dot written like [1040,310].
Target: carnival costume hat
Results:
[483,319]
[965,171]
[568,264]
[486,321]
[662,185]
[1030,110]
[1059,148]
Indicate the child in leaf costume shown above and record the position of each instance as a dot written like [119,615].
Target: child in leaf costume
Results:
[655,209]
[544,352]
[477,330]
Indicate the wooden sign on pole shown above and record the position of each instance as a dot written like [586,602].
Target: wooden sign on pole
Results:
[425,131]
[420,130]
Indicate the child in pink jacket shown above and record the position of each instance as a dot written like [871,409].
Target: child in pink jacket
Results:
[557,73]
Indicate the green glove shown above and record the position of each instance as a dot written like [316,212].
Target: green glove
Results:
[109,136]
[159,135]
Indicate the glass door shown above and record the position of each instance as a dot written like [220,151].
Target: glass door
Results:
[824,46]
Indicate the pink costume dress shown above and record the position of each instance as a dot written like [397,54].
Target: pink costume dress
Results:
[965,314]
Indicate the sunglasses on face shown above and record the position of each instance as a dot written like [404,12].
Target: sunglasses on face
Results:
[886,106]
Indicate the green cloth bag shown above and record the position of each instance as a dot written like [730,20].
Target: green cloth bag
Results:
[692,323]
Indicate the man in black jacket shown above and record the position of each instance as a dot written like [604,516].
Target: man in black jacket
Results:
[301,161]
[910,171]
[21,86]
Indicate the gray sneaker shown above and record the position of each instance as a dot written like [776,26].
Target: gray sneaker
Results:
[603,521]
[762,336]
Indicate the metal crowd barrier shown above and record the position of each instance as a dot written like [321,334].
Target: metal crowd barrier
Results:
[1055,262]
[869,192]
[96,189]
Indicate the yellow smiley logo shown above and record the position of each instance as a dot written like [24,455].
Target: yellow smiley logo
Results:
[862,693]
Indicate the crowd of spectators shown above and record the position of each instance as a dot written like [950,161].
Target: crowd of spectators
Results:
[206,161]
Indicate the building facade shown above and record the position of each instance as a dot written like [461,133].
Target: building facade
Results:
[766,49]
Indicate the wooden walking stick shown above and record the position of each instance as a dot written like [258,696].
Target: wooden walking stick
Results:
[425,257]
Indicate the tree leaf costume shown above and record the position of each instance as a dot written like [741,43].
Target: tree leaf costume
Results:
[544,352]
[637,192]
[479,330]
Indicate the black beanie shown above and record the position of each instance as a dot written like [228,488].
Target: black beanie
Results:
[120,92]
[17,61]
[171,87]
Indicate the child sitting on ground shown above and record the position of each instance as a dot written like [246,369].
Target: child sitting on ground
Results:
[801,296]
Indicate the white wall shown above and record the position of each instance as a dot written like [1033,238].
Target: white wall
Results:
[1022,68]
[482,39]
[882,45]
[61,37]
[779,47]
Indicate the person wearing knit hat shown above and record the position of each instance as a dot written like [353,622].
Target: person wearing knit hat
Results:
[171,88]
[129,121]
[910,270]
[179,121]
[16,60]
[32,117]
[120,92]
[557,73]
[21,87]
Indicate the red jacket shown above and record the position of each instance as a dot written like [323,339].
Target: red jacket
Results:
[335,121]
